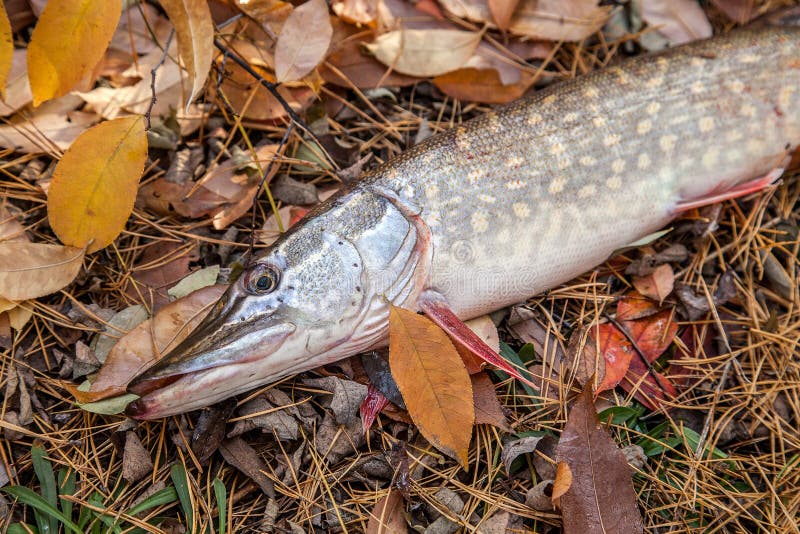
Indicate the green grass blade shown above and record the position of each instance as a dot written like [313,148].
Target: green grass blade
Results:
[47,479]
[178,474]
[66,486]
[221,494]
[18,528]
[161,497]
[35,501]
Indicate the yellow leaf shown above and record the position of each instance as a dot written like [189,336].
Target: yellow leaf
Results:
[433,381]
[19,317]
[31,270]
[194,30]
[68,41]
[94,185]
[6,49]
[425,52]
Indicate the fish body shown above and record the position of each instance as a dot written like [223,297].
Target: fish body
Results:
[498,209]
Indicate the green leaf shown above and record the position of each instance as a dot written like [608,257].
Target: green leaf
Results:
[44,472]
[35,501]
[66,484]
[509,354]
[159,498]
[222,504]
[18,528]
[178,474]
[111,406]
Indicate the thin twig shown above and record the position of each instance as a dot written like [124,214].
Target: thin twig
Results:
[273,89]
[153,77]
[639,352]
[261,183]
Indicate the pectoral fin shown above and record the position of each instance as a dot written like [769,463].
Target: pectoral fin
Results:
[737,191]
[437,310]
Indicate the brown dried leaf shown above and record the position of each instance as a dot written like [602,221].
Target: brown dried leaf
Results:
[244,458]
[558,20]
[425,52]
[238,85]
[357,11]
[194,30]
[153,338]
[348,65]
[387,516]
[502,11]
[303,41]
[518,447]
[680,21]
[488,410]
[433,381]
[481,85]
[656,285]
[136,461]
[45,131]
[31,270]
[601,498]
[18,89]
[741,11]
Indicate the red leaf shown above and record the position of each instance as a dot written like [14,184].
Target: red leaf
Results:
[617,352]
[653,335]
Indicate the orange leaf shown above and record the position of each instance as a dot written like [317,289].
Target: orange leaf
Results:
[656,285]
[617,352]
[635,306]
[562,482]
[481,85]
[433,381]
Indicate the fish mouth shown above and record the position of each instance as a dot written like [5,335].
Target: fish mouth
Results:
[214,362]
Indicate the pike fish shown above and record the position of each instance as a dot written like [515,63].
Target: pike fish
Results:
[496,210]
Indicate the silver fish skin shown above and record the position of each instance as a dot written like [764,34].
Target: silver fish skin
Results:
[498,209]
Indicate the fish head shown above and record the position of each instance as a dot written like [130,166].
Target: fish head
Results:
[296,306]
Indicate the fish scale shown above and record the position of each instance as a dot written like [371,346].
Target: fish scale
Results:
[496,210]
[546,188]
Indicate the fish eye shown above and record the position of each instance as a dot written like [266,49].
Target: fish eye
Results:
[262,279]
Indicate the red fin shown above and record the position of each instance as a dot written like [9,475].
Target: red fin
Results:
[740,190]
[371,406]
[439,313]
